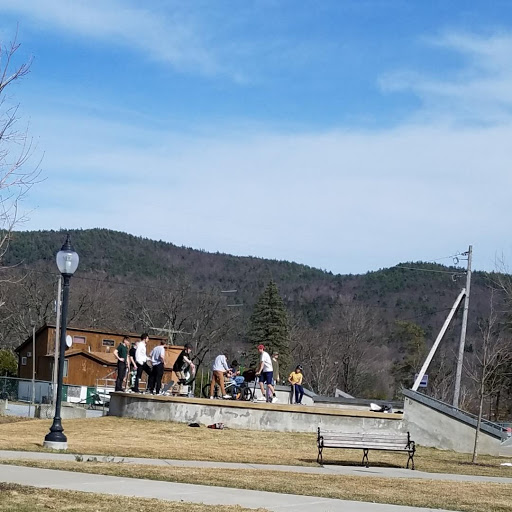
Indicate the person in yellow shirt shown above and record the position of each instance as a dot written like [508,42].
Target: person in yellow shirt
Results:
[295,379]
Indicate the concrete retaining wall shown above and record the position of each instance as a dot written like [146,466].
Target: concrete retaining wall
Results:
[429,427]
[250,416]
[66,412]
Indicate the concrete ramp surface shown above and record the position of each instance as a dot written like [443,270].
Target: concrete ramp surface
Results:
[439,425]
[506,448]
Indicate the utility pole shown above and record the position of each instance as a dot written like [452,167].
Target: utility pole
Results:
[57,338]
[460,358]
[33,366]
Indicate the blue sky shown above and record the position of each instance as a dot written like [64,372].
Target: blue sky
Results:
[347,135]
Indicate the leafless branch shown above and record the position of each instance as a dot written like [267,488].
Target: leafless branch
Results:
[17,175]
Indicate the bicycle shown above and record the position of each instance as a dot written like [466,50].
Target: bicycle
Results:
[238,391]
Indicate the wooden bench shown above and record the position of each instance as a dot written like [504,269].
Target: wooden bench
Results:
[366,442]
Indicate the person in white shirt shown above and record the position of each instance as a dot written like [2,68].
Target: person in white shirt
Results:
[266,375]
[141,359]
[219,369]
[157,357]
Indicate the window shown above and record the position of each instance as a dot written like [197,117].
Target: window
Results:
[29,354]
[79,339]
[23,361]
[66,367]
[108,343]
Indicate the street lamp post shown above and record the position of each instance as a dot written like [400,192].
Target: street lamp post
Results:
[67,262]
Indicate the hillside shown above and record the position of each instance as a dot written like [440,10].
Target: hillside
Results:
[122,257]
[131,283]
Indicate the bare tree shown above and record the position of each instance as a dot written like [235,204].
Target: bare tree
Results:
[356,336]
[316,349]
[29,301]
[96,304]
[492,356]
[16,147]
[441,375]
[339,353]
[185,314]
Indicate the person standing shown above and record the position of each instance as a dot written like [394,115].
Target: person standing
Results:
[275,367]
[182,364]
[157,357]
[219,369]
[265,374]
[121,354]
[132,367]
[141,360]
[295,379]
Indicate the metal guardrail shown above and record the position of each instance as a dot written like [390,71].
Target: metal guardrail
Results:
[489,427]
[395,404]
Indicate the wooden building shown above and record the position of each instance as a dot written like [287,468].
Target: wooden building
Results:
[89,361]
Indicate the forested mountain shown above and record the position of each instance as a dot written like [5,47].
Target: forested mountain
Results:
[343,326]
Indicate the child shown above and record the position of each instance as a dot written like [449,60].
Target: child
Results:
[295,379]
[235,373]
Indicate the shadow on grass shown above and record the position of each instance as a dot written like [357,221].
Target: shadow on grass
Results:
[476,464]
[353,463]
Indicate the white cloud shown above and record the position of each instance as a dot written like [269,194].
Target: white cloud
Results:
[173,39]
[343,201]
[479,91]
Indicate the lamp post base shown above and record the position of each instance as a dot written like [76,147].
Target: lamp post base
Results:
[56,445]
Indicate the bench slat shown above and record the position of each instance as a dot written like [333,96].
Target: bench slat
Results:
[391,439]
[368,447]
[366,439]
[361,438]
[362,441]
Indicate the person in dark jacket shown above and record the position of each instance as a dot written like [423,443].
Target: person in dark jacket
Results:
[121,354]
[182,364]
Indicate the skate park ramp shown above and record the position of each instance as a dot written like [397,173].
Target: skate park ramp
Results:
[506,448]
[252,415]
[440,425]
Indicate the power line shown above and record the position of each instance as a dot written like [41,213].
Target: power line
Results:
[456,255]
[107,281]
[451,272]
[315,302]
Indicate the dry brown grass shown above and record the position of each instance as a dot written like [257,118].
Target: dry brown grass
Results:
[462,496]
[12,419]
[138,438]
[27,499]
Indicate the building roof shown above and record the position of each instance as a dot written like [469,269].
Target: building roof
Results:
[104,358]
[107,358]
[81,329]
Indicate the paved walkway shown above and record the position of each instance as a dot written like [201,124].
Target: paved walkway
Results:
[320,470]
[27,411]
[275,502]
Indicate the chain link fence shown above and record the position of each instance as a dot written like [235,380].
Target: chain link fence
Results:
[24,390]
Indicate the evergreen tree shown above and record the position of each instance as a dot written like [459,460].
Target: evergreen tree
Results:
[412,346]
[8,363]
[269,325]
